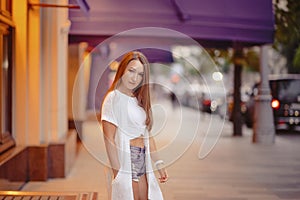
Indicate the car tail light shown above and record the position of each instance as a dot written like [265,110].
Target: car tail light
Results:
[206,102]
[275,104]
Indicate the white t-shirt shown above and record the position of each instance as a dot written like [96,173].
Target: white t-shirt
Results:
[124,112]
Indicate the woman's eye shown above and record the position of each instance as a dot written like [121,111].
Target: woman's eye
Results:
[141,74]
[131,70]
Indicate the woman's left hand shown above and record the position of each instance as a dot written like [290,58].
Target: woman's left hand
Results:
[163,176]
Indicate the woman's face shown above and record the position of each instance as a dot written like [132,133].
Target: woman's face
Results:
[133,74]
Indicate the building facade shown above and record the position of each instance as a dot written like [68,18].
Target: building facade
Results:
[35,140]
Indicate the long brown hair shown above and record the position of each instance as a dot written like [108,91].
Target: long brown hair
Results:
[142,91]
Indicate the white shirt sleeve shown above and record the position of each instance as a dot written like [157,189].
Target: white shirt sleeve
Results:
[108,112]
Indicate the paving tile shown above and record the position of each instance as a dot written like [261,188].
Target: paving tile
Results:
[236,169]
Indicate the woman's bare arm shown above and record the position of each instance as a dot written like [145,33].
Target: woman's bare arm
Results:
[109,131]
[160,166]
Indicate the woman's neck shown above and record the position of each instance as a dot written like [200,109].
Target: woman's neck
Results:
[125,91]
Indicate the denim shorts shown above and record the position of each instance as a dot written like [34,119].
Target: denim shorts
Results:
[138,164]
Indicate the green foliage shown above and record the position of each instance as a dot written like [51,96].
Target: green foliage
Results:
[296,61]
[287,31]
[222,58]
[252,60]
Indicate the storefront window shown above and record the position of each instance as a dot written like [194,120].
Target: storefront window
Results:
[6,8]
[6,53]
[5,107]
[8,5]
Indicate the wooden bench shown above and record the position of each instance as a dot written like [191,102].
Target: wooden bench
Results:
[20,195]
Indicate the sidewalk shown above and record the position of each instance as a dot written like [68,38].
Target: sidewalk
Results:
[235,169]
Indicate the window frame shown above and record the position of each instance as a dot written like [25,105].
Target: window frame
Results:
[6,53]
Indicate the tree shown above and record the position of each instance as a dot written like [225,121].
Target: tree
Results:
[287,32]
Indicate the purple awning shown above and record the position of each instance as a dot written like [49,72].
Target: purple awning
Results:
[214,22]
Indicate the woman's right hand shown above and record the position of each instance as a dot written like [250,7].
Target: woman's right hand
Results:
[115,172]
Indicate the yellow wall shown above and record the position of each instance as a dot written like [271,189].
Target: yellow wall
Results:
[40,73]
[20,73]
[26,115]
[33,75]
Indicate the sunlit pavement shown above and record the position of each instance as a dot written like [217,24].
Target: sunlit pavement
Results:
[235,169]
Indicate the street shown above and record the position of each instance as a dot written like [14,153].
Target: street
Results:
[234,169]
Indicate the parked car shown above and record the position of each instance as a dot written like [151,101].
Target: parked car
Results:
[285,91]
[190,96]
[211,99]
[226,109]
[205,98]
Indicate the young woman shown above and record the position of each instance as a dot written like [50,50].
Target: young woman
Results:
[126,121]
